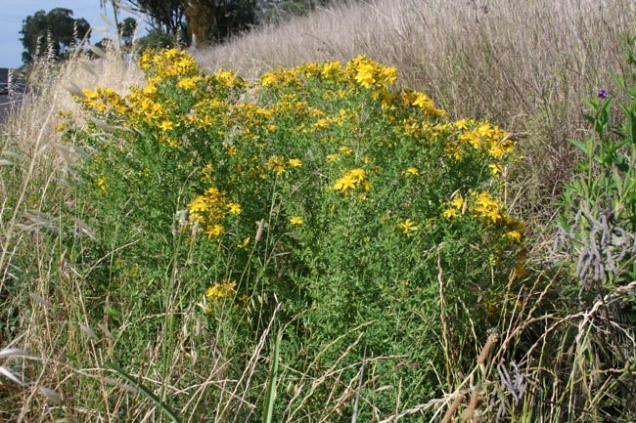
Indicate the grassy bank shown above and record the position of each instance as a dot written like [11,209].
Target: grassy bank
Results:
[301,239]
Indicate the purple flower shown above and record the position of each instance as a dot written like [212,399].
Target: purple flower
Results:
[602,93]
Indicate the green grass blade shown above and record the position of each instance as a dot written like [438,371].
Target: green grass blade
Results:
[270,399]
[163,407]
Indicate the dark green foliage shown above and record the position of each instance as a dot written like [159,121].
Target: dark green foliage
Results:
[156,40]
[52,33]
[127,30]
[167,15]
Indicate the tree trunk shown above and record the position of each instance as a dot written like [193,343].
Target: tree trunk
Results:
[202,23]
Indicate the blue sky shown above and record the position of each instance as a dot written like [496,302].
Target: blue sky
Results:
[12,12]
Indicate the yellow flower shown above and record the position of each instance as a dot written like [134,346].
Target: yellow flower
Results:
[487,207]
[514,234]
[234,208]
[462,124]
[332,158]
[166,125]
[472,137]
[215,231]
[357,174]
[450,213]
[296,220]
[453,151]
[331,69]
[220,291]
[412,171]
[457,202]
[364,75]
[321,124]
[228,79]
[189,83]
[344,183]
[352,179]
[245,242]
[495,168]
[268,79]
[277,164]
[387,75]
[295,163]
[408,226]
[199,204]
[101,183]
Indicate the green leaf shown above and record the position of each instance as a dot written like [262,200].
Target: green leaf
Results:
[583,146]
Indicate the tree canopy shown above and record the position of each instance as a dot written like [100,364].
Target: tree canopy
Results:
[213,21]
[166,15]
[127,30]
[51,33]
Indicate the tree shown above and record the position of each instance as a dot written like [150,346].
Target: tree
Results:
[52,33]
[233,17]
[167,15]
[156,40]
[208,21]
[127,30]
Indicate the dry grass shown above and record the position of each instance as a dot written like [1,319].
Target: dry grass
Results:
[30,143]
[526,66]
[32,195]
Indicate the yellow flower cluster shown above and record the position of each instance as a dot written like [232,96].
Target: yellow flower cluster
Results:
[276,164]
[370,74]
[145,109]
[221,290]
[495,141]
[417,99]
[168,63]
[189,83]
[454,207]
[492,142]
[353,179]
[101,184]
[279,77]
[103,100]
[484,206]
[361,70]
[210,210]
[226,79]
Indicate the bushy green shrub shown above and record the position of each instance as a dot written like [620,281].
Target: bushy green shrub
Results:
[371,223]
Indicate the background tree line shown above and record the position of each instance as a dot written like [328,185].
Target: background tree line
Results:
[170,22]
[207,22]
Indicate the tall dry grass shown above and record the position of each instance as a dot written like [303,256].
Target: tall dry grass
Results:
[33,192]
[526,65]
